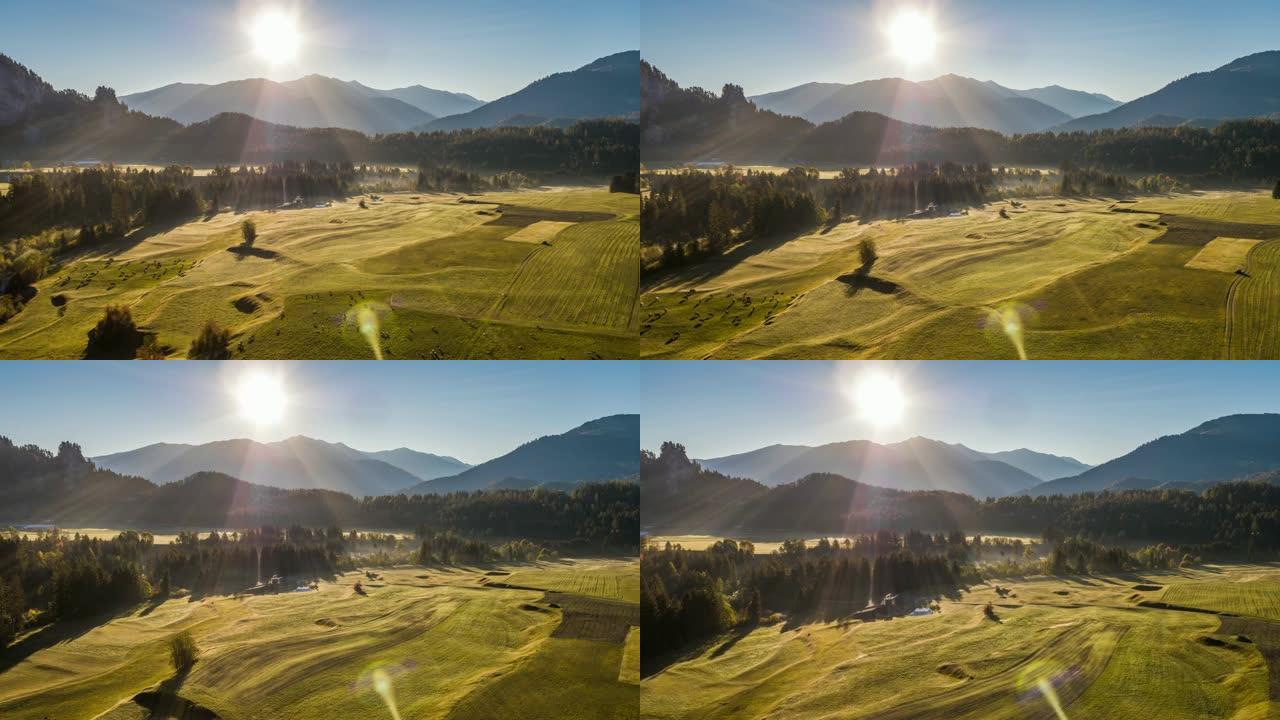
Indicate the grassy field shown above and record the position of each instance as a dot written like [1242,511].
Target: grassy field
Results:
[452,644]
[1089,644]
[529,274]
[1057,279]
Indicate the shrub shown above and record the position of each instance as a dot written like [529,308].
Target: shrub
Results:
[248,231]
[115,337]
[213,343]
[183,651]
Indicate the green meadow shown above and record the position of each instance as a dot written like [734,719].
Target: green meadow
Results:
[455,643]
[528,274]
[1111,647]
[1180,276]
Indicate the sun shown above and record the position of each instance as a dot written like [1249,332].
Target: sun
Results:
[879,399]
[912,37]
[275,36]
[261,398]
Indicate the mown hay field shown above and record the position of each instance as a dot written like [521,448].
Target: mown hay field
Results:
[427,276]
[1089,644]
[1057,278]
[451,647]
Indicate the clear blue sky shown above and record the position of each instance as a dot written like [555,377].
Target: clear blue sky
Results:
[1124,48]
[1091,410]
[473,410]
[488,48]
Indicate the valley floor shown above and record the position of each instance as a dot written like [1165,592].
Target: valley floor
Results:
[547,640]
[530,274]
[1202,643]
[1185,276]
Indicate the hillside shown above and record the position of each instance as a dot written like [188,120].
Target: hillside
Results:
[20,90]
[605,88]
[603,449]
[1246,87]
[915,464]
[1220,450]
[298,462]
[692,124]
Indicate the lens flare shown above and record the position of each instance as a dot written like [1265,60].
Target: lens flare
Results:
[1036,684]
[382,685]
[367,318]
[1009,321]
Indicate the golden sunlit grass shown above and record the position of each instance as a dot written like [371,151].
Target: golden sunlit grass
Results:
[1102,654]
[1223,255]
[437,272]
[438,641]
[1073,279]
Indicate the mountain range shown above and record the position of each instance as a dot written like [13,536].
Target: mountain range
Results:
[296,463]
[1227,448]
[829,491]
[893,121]
[1246,87]
[252,121]
[946,101]
[309,102]
[604,449]
[915,464]
[599,450]
[606,87]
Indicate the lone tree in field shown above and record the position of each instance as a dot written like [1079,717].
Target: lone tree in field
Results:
[183,651]
[213,343]
[867,253]
[1276,193]
[249,231]
[115,337]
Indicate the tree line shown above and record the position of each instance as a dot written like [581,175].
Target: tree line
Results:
[687,596]
[52,576]
[71,490]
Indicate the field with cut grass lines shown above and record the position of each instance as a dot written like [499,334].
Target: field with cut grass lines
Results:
[524,274]
[1056,647]
[450,644]
[1057,278]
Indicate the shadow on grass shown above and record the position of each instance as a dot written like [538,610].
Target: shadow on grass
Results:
[56,633]
[710,267]
[241,252]
[163,701]
[856,281]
